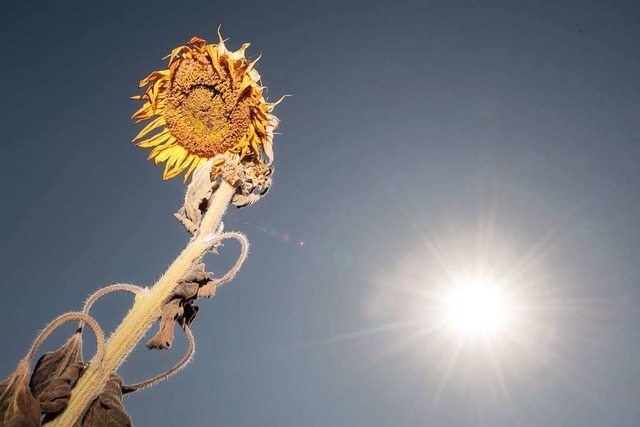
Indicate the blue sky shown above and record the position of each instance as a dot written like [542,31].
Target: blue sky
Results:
[422,139]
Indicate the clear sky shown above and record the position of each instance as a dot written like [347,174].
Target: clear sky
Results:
[422,139]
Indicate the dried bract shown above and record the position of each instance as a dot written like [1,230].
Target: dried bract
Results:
[256,183]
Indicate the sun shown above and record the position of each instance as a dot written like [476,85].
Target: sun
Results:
[477,308]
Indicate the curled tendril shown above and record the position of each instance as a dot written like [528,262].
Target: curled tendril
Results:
[107,290]
[104,291]
[130,388]
[244,252]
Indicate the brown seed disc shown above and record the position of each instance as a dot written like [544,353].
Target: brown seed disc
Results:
[201,110]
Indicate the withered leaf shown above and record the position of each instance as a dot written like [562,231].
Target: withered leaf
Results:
[196,275]
[54,374]
[164,337]
[107,409]
[198,193]
[18,407]
[179,306]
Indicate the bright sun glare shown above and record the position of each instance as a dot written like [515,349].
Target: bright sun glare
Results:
[477,309]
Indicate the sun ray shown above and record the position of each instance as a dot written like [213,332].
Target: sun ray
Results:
[495,363]
[446,372]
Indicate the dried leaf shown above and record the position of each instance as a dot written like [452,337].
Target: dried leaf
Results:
[107,409]
[197,275]
[55,373]
[188,315]
[208,290]
[18,407]
[195,201]
[164,337]
[179,306]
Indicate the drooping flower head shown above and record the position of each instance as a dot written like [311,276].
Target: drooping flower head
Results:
[209,102]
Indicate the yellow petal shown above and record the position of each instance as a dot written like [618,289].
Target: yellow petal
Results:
[215,58]
[170,143]
[145,112]
[255,144]
[230,66]
[171,171]
[159,121]
[157,139]
[154,76]
[164,155]
[197,41]
[188,163]
[175,52]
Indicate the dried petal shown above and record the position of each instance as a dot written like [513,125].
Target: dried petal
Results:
[107,409]
[18,407]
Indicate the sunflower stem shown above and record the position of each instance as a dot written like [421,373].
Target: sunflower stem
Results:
[144,313]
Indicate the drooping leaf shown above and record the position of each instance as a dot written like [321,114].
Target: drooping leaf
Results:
[107,409]
[198,193]
[164,337]
[179,306]
[18,407]
[55,373]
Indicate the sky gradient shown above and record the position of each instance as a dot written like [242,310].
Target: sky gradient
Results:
[422,139]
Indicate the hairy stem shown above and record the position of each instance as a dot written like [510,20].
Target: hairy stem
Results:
[145,311]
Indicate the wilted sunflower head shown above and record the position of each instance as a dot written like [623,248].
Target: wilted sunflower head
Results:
[209,102]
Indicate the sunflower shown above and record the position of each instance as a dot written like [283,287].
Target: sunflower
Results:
[209,102]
